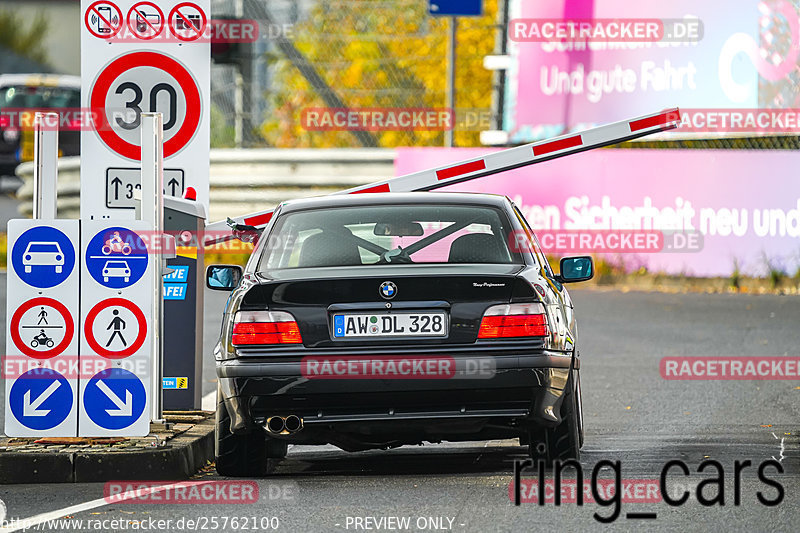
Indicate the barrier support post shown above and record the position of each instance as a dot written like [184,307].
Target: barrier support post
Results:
[153,212]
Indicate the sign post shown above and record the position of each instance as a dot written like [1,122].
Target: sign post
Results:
[453,9]
[45,170]
[141,57]
[153,213]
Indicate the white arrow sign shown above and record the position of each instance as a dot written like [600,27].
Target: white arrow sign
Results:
[32,408]
[123,408]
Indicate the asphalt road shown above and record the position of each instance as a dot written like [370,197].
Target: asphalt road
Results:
[632,415]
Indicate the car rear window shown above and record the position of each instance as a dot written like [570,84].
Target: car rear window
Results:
[39,96]
[355,236]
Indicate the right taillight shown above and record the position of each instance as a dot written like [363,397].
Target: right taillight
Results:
[513,320]
[265,327]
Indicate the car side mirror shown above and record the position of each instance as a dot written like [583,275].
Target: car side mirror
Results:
[576,269]
[223,277]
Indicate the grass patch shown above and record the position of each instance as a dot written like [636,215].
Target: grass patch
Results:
[736,276]
[775,273]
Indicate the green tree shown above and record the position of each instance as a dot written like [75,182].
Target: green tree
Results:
[381,54]
[27,40]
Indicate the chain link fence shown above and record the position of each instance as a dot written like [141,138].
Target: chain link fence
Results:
[355,54]
[388,55]
[772,142]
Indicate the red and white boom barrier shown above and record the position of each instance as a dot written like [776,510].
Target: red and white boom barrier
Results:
[494,163]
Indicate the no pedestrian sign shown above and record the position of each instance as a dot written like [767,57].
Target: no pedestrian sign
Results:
[115,328]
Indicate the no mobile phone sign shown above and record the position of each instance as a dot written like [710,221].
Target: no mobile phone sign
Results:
[103,19]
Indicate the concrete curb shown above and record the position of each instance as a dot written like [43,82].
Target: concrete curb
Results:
[183,456]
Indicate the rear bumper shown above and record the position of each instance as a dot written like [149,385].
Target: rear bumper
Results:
[509,387]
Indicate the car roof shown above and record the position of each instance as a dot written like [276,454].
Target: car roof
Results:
[49,80]
[394,198]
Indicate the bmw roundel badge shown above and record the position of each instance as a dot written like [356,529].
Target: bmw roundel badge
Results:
[388,290]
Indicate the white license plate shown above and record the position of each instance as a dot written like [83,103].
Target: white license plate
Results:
[390,325]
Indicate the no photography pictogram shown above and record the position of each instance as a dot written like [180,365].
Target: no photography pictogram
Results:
[103,19]
[187,21]
[146,20]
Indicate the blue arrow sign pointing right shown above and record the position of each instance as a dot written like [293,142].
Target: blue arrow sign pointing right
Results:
[114,398]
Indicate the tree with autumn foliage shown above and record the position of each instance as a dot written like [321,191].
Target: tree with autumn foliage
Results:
[387,54]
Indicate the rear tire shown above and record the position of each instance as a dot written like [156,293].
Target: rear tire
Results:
[243,455]
[579,403]
[562,442]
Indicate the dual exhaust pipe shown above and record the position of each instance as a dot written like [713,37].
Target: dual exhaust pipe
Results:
[283,425]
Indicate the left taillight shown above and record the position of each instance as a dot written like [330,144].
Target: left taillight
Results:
[513,321]
[265,327]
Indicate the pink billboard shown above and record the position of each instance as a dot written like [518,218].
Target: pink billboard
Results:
[745,206]
[578,63]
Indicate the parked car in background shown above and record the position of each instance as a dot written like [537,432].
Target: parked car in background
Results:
[21,95]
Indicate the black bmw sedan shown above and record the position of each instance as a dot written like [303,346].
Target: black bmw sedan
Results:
[380,320]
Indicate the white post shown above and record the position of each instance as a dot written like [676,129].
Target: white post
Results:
[153,212]
[45,170]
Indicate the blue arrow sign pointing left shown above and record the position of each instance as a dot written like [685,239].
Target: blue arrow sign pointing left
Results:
[41,399]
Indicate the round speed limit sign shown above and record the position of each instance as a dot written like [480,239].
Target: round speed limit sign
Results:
[142,82]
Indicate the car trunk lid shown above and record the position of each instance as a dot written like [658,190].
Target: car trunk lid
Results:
[314,296]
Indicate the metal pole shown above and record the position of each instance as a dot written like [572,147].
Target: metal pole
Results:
[257,9]
[238,98]
[499,76]
[238,111]
[153,212]
[45,170]
[450,104]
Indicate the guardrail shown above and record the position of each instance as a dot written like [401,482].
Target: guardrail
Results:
[244,181]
